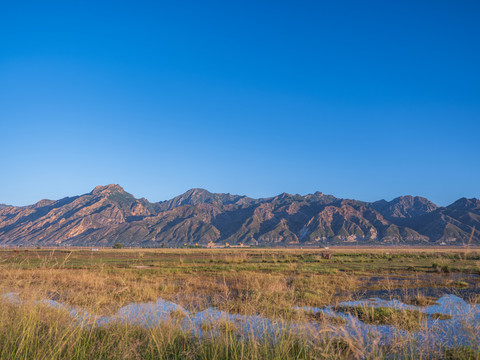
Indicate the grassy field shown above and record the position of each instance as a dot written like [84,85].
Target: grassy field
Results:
[268,282]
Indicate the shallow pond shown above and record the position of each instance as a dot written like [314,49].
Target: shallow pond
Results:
[460,324]
[461,328]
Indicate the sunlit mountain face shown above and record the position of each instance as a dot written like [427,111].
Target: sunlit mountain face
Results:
[108,215]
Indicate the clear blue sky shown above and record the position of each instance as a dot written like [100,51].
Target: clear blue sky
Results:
[360,99]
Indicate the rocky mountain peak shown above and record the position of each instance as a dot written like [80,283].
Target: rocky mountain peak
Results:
[197,192]
[199,196]
[283,196]
[464,203]
[405,207]
[196,196]
[44,202]
[318,198]
[107,189]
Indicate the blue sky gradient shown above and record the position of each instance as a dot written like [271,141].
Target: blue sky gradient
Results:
[364,100]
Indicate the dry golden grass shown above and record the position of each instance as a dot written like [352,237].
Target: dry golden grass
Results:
[270,282]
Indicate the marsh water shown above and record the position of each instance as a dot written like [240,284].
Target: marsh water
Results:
[460,324]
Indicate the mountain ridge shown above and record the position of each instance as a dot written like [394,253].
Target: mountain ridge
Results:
[108,214]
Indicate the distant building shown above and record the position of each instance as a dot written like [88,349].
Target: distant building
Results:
[212,245]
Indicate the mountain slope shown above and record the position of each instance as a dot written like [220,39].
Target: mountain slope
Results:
[404,207]
[201,196]
[108,215]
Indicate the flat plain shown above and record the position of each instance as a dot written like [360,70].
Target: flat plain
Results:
[279,285]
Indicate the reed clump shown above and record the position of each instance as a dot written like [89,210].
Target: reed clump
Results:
[406,319]
[420,300]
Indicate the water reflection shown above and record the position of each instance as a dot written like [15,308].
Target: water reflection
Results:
[461,329]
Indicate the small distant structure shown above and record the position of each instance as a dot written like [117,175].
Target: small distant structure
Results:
[94,249]
[212,245]
[240,245]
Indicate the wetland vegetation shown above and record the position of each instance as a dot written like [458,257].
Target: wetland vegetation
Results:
[267,285]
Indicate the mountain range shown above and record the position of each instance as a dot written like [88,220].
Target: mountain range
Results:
[109,215]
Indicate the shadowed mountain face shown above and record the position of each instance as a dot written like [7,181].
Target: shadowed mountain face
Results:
[108,215]
[404,207]
[201,196]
